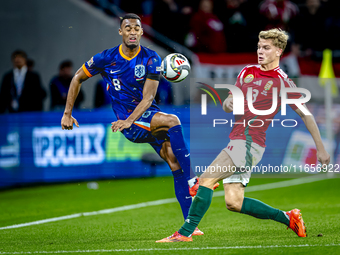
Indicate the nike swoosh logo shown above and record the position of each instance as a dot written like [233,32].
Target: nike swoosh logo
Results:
[111,71]
[188,197]
[187,155]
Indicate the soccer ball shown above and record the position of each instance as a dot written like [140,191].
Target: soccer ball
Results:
[175,67]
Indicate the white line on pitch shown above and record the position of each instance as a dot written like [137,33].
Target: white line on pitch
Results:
[282,184]
[267,186]
[182,249]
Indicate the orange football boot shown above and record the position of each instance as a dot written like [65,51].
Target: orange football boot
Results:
[296,222]
[197,232]
[193,189]
[176,237]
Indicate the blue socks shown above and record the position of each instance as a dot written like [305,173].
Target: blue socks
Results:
[182,178]
[182,191]
[181,151]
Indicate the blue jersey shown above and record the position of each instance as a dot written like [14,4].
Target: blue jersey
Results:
[125,77]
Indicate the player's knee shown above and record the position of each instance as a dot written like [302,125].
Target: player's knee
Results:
[233,205]
[173,120]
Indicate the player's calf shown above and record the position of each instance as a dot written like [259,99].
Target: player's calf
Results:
[234,195]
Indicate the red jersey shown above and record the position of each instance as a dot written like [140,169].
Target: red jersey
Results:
[252,127]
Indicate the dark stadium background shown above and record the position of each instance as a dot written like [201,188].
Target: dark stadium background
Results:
[34,149]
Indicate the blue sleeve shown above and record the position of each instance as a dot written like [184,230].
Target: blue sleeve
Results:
[154,67]
[95,65]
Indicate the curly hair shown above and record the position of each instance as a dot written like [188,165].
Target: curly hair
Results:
[278,37]
[129,16]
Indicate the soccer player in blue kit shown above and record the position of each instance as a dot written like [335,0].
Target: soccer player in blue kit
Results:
[132,74]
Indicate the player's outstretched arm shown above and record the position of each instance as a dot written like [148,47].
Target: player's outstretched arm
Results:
[228,104]
[67,120]
[313,129]
[149,93]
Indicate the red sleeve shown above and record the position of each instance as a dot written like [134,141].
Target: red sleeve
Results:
[240,78]
[291,95]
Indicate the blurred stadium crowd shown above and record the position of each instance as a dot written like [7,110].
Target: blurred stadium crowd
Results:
[216,26]
[22,84]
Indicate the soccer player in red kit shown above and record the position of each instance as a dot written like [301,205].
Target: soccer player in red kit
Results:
[247,142]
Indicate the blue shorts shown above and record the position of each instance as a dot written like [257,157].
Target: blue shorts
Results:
[140,132]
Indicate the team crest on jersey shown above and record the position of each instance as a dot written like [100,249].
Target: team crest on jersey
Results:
[90,62]
[139,71]
[268,85]
[249,78]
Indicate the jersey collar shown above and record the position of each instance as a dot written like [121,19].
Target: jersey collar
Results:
[126,57]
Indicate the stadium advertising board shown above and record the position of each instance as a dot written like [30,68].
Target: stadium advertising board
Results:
[34,149]
[54,147]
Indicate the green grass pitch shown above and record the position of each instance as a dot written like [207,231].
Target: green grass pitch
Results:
[135,231]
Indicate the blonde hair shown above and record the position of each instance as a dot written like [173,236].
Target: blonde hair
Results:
[278,37]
